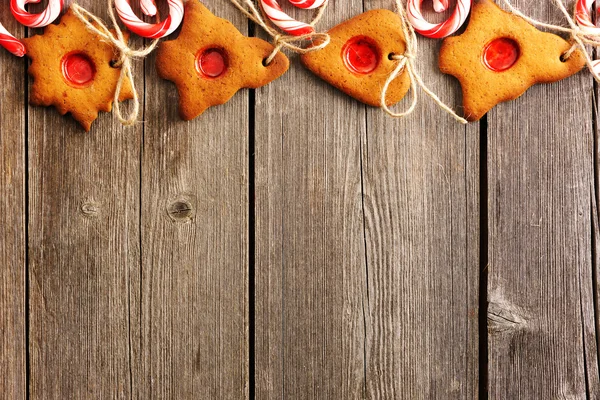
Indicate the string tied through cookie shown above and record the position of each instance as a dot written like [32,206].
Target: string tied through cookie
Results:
[406,62]
[293,43]
[126,55]
[581,35]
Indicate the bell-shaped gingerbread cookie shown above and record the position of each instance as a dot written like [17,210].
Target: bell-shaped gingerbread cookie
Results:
[500,56]
[211,60]
[358,59]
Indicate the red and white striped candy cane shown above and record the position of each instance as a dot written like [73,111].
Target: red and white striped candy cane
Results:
[152,31]
[583,17]
[11,43]
[584,20]
[443,29]
[148,7]
[440,5]
[17,7]
[286,23]
[52,11]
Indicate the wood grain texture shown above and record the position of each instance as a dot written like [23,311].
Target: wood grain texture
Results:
[194,279]
[421,206]
[542,333]
[310,261]
[360,290]
[12,219]
[84,248]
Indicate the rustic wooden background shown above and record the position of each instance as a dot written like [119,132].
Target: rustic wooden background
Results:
[296,244]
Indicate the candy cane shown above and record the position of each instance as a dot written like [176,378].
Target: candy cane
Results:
[583,17]
[148,7]
[52,11]
[443,29]
[11,43]
[584,20]
[440,5]
[152,31]
[287,23]
[17,7]
[307,4]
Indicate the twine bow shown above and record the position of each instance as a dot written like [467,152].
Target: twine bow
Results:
[581,35]
[249,9]
[126,55]
[407,61]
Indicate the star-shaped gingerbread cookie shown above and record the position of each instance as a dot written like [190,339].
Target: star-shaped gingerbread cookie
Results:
[500,56]
[211,60]
[71,70]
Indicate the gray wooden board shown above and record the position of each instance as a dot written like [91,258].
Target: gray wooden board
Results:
[84,252]
[542,333]
[360,291]
[12,219]
[310,262]
[193,312]
[421,179]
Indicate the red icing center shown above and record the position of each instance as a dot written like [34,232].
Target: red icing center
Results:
[78,69]
[501,54]
[211,63]
[361,55]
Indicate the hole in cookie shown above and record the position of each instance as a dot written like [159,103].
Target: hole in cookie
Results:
[361,55]
[78,69]
[264,62]
[211,63]
[564,57]
[501,54]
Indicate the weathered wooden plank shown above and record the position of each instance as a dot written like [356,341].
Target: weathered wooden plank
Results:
[12,219]
[194,280]
[364,294]
[421,205]
[542,335]
[84,248]
[310,261]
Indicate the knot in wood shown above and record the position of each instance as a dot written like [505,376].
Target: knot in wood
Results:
[180,211]
[89,209]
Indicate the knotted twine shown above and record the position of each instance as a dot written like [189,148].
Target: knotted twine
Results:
[407,61]
[126,55]
[249,9]
[581,35]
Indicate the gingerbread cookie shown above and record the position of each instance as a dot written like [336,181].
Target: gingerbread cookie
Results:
[211,60]
[357,61]
[500,56]
[71,70]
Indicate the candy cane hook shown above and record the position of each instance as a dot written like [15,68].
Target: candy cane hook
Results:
[17,7]
[11,43]
[583,17]
[52,11]
[286,23]
[152,31]
[584,20]
[443,29]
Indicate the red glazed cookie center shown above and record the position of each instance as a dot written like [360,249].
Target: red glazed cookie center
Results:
[78,69]
[211,63]
[361,55]
[501,54]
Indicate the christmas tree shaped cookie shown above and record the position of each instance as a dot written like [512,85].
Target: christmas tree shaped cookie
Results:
[500,56]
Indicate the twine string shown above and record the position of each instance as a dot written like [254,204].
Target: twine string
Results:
[581,36]
[249,9]
[406,62]
[126,55]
